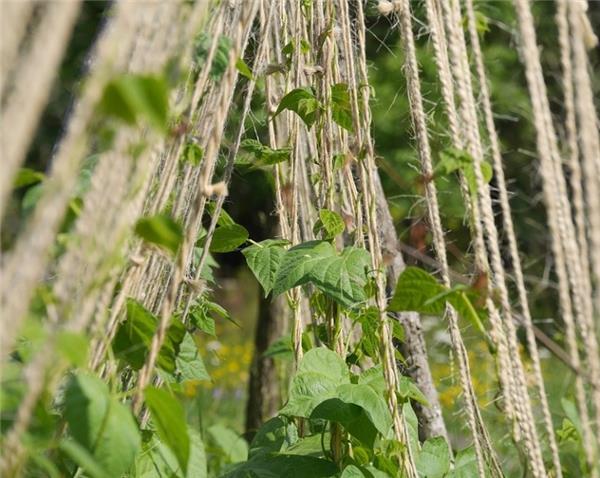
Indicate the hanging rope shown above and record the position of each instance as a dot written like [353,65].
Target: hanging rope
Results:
[26,263]
[31,87]
[510,232]
[582,36]
[517,392]
[99,237]
[564,244]
[482,451]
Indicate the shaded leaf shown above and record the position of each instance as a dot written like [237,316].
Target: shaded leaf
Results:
[131,97]
[243,68]
[220,59]
[303,102]
[231,444]
[192,153]
[27,177]
[190,365]
[341,111]
[168,416]
[288,466]
[434,459]
[134,337]
[73,346]
[83,458]
[281,348]
[160,230]
[269,438]
[100,424]
[226,238]
[352,471]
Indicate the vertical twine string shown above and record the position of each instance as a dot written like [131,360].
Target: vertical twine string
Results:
[519,394]
[424,151]
[564,244]
[510,232]
[32,84]
[582,36]
[204,190]
[26,263]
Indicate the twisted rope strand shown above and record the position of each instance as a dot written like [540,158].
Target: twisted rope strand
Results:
[32,84]
[510,232]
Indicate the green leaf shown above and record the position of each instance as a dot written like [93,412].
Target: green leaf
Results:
[373,377]
[359,409]
[419,291]
[314,445]
[270,437]
[160,230]
[27,177]
[465,309]
[168,416]
[303,102]
[452,159]
[330,222]
[224,218]
[297,264]
[73,347]
[83,458]
[572,414]
[414,289]
[220,60]
[281,348]
[132,97]
[434,459]
[226,238]
[319,374]
[201,319]
[341,111]
[230,443]
[323,361]
[264,155]
[134,337]
[412,426]
[264,260]
[157,461]
[343,277]
[197,464]
[243,68]
[190,365]
[465,464]
[192,153]
[408,390]
[100,424]
[288,466]
[373,405]
[352,471]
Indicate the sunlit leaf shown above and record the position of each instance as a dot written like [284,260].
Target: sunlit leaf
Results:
[264,260]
